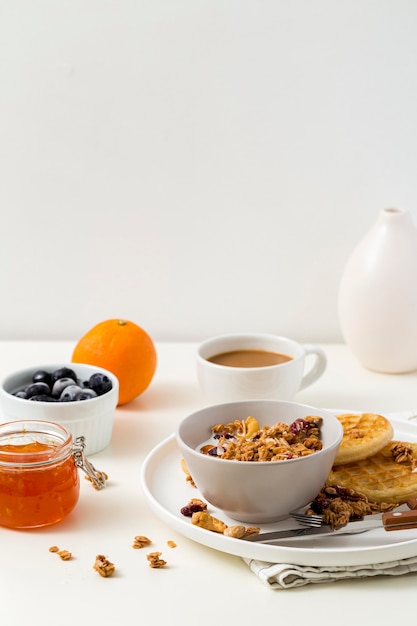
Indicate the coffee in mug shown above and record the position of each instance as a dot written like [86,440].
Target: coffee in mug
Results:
[249,358]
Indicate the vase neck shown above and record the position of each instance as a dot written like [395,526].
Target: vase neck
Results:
[395,217]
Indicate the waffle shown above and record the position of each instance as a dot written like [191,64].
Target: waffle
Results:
[364,434]
[380,477]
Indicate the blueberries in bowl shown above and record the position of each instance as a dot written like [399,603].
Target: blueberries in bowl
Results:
[62,385]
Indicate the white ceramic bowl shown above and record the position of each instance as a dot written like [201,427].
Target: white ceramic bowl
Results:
[257,492]
[92,418]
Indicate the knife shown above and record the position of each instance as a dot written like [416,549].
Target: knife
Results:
[393,520]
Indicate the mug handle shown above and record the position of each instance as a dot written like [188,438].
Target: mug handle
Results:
[318,367]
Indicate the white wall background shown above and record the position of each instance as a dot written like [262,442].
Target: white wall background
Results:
[197,166]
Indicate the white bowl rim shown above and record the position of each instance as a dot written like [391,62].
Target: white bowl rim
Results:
[197,454]
[51,367]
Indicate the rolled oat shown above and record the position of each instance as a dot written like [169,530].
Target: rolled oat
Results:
[140,541]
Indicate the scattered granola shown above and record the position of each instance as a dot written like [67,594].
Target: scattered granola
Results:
[244,440]
[140,541]
[207,521]
[65,555]
[193,506]
[171,543]
[202,518]
[100,475]
[103,566]
[188,477]
[235,531]
[155,561]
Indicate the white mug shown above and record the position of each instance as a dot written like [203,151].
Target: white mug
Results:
[229,383]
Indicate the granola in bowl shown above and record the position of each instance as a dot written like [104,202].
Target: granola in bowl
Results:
[246,440]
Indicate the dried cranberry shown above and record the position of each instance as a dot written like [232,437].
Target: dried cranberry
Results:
[191,508]
[299,425]
[320,504]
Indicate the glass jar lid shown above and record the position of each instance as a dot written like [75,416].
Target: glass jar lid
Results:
[37,443]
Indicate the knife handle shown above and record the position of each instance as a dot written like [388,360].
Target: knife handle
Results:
[399,520]
[412,502]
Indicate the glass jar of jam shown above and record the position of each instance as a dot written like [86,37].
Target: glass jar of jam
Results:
[39,479]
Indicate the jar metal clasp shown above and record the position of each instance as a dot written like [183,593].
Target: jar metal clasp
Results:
[97,478]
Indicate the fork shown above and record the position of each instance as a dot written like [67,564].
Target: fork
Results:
[307,520]
[316,521]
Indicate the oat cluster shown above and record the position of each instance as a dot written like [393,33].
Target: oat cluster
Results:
[155,561]
[403,453]
[340,505]
[103,566]
[245,440]
[100,475]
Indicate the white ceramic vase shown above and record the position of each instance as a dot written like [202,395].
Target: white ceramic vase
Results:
[377,300]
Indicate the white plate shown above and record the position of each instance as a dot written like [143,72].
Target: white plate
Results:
[167,491]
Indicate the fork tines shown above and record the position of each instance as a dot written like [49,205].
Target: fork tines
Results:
[308,520]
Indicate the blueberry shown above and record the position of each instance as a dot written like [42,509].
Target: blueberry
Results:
[42,376]
[100,383]
[64,372]
[21,394]
[36,389]
[70,393]
[42,397]
[87,394]
[60,384]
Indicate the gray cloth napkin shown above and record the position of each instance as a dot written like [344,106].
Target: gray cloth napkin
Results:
[286,576]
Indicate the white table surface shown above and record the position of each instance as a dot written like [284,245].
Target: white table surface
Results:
[199,585]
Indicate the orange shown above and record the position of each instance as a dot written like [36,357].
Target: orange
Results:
[123,348]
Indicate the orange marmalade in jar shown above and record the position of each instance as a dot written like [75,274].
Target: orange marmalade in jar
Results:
[39,480]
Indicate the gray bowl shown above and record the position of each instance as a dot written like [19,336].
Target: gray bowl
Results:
[257,492]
